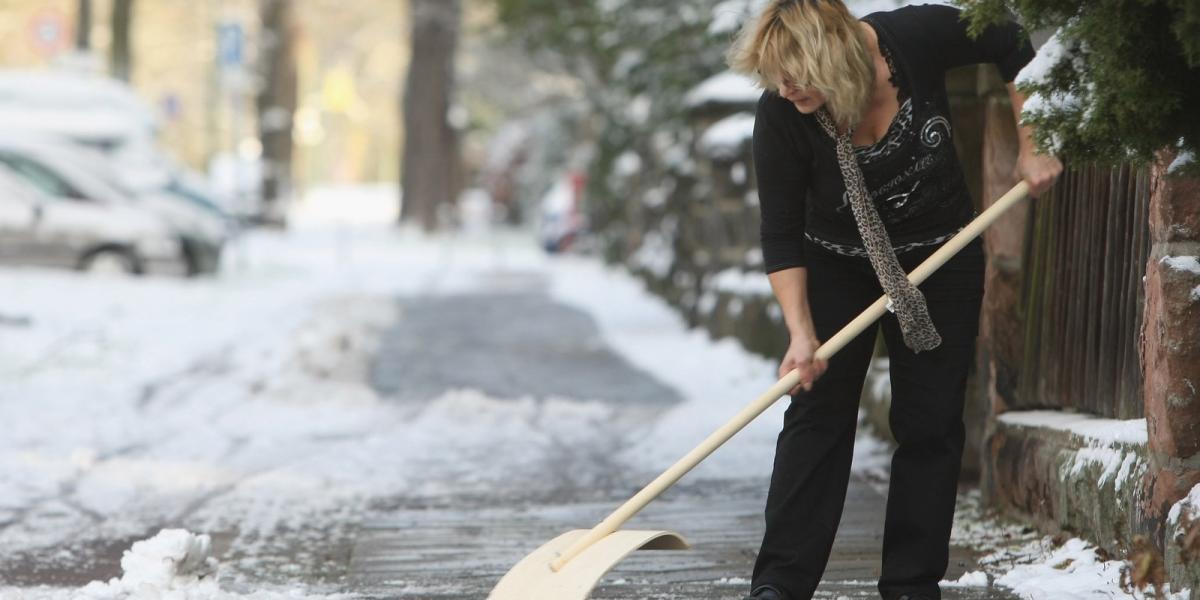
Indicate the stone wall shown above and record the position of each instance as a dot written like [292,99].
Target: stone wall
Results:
[1032,471]
[1171,362]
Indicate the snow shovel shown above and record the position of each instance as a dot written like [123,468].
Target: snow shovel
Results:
[570,565]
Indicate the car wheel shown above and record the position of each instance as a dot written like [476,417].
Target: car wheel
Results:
[110,262]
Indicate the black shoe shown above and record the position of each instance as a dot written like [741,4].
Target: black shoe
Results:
[765,592]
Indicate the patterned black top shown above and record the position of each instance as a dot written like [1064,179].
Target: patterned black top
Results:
[912,173]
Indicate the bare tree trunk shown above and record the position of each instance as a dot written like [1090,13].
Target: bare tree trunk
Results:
[83,26]
[276,104]
[429,170]
[121,57]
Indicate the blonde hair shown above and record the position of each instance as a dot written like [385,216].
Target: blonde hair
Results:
[809,43]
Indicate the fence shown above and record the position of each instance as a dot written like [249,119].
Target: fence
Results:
[1082,293]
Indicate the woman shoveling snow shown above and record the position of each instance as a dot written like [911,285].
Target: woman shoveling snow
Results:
[859,182]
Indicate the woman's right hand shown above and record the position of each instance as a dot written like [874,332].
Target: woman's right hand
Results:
[800,356]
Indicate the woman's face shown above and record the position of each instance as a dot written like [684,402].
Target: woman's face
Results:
[806,99]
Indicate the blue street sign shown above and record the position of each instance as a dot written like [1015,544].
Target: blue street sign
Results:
[230,42]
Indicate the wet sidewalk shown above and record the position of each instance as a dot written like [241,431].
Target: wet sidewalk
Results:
[458,545]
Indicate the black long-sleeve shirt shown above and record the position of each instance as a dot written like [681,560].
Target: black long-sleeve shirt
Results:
[912,173]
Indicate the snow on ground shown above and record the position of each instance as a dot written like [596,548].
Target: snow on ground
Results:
[237,406]
[1034,566]
[173,564]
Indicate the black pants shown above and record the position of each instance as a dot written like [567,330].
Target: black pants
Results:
[814,450]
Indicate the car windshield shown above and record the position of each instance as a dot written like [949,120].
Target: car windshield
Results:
[42,178]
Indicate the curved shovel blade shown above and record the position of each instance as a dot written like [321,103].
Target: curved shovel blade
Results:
[533,579]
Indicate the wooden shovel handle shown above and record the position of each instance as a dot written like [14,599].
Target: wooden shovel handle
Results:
[839,340]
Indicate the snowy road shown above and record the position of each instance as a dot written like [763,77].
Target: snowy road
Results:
[357,409]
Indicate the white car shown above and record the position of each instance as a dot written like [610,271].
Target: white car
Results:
[60,169]
[77,233]
[107,118]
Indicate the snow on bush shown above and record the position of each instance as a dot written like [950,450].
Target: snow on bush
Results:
[725,138]
[740,283]
[724,88]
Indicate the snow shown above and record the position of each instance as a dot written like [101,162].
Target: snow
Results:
[737,173]
[1111,446]
[725,138]
[969,579]
[1049,54]
[655,255]
[1070,572]
[724,88]
[1191,503]
[729,15]
[173,564]
[1188,264]
[742,283]
[639,109]
[1033,566]
[1184,159]
[627,164]
[237,402]
[1095,430]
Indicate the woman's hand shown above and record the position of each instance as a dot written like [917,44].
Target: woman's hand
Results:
[800,356]
[1039,170]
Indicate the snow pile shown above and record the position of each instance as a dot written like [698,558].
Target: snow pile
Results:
[174,565]
[172,561]
[724,139]
[969,579]
[1071,572]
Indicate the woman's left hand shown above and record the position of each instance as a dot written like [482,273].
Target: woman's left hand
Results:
[1040,170]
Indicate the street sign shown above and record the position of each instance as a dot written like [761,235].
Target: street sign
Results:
[230,44]
[48,31]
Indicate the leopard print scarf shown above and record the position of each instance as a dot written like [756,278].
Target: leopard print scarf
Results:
[903,297]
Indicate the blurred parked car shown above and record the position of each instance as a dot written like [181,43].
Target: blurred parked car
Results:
[37,229]
[107,117]
[63,170]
